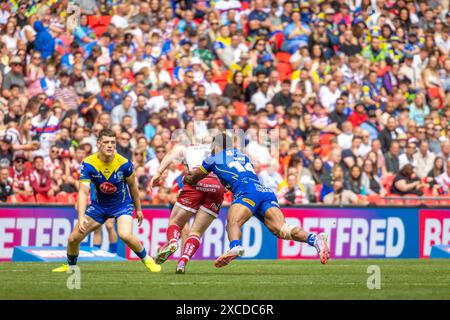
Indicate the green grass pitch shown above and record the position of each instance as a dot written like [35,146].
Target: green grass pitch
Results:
[264,279]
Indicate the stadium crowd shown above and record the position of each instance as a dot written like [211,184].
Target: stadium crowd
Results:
[358,91]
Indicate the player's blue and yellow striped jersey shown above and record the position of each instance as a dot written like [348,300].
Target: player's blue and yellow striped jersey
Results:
[108,179]
[233,168]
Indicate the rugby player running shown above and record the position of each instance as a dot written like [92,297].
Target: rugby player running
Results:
[250,197]
[116,195]
[204,200]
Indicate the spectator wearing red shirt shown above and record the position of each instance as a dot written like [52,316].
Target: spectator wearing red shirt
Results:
[41,181]
[359,115]
[21,180]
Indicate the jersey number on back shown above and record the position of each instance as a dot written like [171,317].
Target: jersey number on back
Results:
[240,168]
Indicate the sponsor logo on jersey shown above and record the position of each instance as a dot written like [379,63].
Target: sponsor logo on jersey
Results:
[215,206]
[184,201]
[108,188]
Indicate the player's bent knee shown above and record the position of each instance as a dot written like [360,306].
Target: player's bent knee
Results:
[71,239]
[74,239]
[286,232]
[125,237]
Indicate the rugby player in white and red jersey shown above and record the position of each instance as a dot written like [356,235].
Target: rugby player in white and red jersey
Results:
[204,200]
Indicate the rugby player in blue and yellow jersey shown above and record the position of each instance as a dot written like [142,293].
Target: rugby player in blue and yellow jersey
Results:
[250,197]
[116,195]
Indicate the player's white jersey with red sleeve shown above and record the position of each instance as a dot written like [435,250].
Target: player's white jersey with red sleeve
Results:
[208,193]
[195,154]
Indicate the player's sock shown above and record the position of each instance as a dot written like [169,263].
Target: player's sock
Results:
[311,239]
[173,233]
[98,246]
[235,243]
[113,247]
[190,247]
[142,254]
[72,259]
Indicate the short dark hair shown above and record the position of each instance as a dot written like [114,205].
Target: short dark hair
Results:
[106,83]
[223,141]
[106,133]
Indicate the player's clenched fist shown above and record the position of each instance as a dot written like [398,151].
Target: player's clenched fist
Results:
[155,179]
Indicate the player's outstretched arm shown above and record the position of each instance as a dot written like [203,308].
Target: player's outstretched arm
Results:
[177,153]
[134,192]
[193,177]
[83,195]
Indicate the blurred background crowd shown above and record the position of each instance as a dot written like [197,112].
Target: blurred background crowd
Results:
[358,92]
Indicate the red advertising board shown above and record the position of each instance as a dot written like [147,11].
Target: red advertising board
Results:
[434,229]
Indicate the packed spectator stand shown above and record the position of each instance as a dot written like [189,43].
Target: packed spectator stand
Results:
[357,91]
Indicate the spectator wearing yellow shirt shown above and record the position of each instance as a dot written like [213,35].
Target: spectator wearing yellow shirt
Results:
[374,52]
[243,66]
[223,40]
[320,74]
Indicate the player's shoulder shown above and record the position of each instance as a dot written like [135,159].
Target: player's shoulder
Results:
[121,159]
[95,162]
[120,162]
[90,160]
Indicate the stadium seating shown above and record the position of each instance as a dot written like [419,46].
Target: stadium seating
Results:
[25,199]
[221,79]
[283,57]
[285,70]
[66,198]
[62,198]
[375,199]
[394,201]
[444,202]
[40,198]
[412,199]
[387,182]
[317,192]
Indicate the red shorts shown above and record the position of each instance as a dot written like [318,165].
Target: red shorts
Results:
[206,195]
